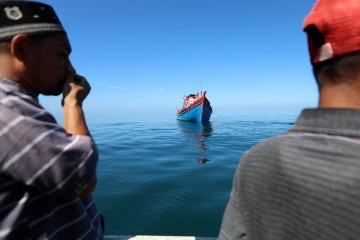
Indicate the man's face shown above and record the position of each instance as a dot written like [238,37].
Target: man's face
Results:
[48,63]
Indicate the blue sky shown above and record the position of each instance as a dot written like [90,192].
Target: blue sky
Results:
[141,55]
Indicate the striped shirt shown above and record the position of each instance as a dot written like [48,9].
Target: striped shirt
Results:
[300,185]
[42,170]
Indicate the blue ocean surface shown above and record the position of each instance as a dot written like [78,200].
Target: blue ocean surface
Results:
[160,176]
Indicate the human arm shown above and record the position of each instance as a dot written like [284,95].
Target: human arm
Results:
[75,91]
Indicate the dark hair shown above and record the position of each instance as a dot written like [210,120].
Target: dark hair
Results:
[335,70]
[3,46]
[338,70]
[34,39]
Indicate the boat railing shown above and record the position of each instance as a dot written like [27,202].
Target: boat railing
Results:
[145,237]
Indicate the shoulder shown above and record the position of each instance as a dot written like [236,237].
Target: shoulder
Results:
[270,147]
[263,161]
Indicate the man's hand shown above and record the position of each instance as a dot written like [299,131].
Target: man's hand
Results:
[76,89]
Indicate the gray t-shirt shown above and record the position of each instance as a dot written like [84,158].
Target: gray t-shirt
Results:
[42,170]
[304,184]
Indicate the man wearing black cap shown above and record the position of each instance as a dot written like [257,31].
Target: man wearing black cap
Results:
[305,184]
[47,171]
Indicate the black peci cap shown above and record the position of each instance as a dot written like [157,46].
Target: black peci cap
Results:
[26,17]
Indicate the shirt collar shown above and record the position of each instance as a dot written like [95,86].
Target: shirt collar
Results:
[12,86]
[333,121]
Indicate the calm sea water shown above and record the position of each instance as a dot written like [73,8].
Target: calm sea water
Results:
[159,176]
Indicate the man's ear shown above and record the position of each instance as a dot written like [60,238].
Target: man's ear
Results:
[19,45]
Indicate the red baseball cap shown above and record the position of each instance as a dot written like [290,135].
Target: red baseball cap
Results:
[333,29]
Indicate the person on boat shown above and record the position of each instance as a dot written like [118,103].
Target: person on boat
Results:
[47,171]
[305,184]
[188,100]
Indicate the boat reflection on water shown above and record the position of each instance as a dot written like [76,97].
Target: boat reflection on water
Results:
[197,132]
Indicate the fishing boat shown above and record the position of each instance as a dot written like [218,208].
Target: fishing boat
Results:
[196,108]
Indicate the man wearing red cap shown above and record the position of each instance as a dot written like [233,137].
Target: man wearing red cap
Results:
[305,184]
[47,172]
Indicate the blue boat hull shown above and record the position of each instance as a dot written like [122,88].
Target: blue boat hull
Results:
[200,112]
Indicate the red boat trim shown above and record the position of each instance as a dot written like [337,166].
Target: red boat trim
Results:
[195,104]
